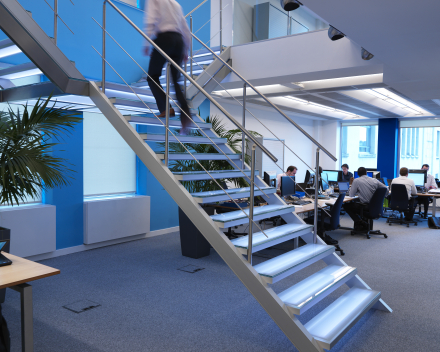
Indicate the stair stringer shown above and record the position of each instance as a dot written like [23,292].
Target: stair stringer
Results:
[292,328]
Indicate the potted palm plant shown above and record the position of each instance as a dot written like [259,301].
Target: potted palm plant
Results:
[193,243]
[27,167]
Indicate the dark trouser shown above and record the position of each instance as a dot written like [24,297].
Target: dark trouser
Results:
[172,44]
[353,209]
[412,207]
[425,202]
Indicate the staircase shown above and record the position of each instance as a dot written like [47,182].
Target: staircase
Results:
[125,111]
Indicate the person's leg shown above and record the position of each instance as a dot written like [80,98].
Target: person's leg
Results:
[410,213]
[426,206]
[352,209]
[177,56]
[154,72]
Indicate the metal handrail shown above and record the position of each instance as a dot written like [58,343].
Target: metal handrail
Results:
[315,142]
[56,17]
[190,13]
[201,130]
[190,79]
[189,152]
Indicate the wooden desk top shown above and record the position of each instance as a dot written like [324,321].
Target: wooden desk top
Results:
[22,270]
[436,195]
[311,207]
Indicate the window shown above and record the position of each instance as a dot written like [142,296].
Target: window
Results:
[418,146]
[359,145]
[109,163]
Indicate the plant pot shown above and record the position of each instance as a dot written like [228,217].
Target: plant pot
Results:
[192,242]
[5,235]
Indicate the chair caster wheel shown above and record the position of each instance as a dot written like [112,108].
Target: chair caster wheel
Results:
[368,237]
[407,225]
[352,233]
[385,236]
[390,224]
[342,253]
[415,224]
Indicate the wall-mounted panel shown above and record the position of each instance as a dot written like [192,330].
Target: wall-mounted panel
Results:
[33,228]
[110,219]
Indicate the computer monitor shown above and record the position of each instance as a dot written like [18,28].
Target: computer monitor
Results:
[369,174]
[343,187]
[330,175]
[287,186]
[270,177]
[307,178]
[376,174]
[370,169]
[419,176]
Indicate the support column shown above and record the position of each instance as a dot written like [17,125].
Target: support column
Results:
[388,147]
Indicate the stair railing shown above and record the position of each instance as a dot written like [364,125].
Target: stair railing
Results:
[56,17]
[166,125]
[245,109]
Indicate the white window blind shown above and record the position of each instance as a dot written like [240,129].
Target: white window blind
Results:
[277,149]
[109,163]
[419,123]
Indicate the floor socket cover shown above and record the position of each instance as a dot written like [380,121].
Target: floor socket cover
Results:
[81,306]
[191,269]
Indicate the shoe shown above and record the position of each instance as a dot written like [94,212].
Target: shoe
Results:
[329,240]
[164,113]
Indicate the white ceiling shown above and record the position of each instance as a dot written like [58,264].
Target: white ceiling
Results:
[403,35]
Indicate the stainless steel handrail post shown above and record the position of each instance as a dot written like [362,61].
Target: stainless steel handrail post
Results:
[191,47]
[243,123]
[103,45]
[184,78]
[289,30]
[251,205]
[315,239]
[167,114]
[55,24]
[221,26]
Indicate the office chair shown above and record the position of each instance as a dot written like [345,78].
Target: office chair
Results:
[326,223]
[399,202]
[371,211]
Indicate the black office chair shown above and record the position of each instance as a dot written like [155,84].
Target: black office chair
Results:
[370,211]
[326,223]
[399,202]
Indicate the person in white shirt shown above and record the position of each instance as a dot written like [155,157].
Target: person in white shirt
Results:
[291,171]
[410,188]
[430,184]
[166,25]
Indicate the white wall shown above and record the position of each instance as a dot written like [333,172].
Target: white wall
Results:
[227,21]
[284,130]
[243,18]
[328,133]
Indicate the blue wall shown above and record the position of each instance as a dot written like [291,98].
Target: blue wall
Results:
[78,47]
[388,147]
[69,199]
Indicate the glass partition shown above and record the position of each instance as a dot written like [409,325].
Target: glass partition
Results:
[259,20]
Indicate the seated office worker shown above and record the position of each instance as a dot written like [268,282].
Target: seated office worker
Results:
[364,187]
[411,189]
[346,175]
[291,171]
[430,184]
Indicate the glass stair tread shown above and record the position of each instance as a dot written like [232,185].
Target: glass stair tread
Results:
[200,156]
[154,121]
[218,195]
[283,265]
[185,138]
[274,233]
[203,175]
[329,326]
[311,290]
[266,211]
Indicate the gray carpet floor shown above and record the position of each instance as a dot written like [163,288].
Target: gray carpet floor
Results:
[146,304]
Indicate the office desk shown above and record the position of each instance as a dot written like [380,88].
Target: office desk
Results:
[434,203]
[16,276]
[322,202]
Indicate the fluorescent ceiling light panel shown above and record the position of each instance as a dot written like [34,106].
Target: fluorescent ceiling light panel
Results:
[392,98]
[10,50]
[22,74]
[268,89]
[341,81]
[336,112]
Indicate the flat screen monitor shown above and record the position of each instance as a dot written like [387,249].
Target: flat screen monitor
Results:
[287,186]
[270,177]
[308,176]
[369,174]
[343,187]
[419,177]
[330,175]
[376,174]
